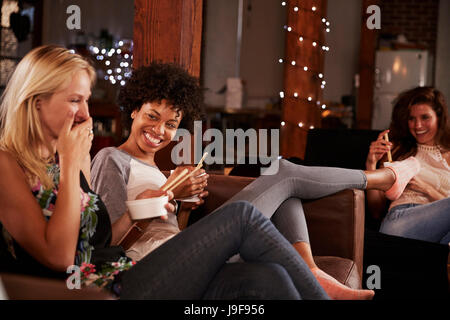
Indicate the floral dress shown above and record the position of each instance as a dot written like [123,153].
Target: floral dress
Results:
[98,262]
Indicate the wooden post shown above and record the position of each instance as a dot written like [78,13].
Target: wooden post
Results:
[366,69]
[308,24]
[168,31]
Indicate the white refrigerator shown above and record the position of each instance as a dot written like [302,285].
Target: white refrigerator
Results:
[396,71]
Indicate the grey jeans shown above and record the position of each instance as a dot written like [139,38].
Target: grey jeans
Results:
[279,196]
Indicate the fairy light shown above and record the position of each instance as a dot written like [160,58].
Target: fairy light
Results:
[323,48]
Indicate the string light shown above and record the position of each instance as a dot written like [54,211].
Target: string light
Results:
[305,68]
[117,61]
[319,75]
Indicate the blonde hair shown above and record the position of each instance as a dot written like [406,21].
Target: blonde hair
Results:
[41,72]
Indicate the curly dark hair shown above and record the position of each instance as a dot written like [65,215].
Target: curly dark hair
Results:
[405,144]
[159,81]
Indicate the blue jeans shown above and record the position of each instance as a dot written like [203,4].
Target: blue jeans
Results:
[428,222]
[192,265]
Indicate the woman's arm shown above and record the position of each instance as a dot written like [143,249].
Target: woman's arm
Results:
[426,189]
[376,199]
[53,243]
[120,227]
[124,223]
[86,169]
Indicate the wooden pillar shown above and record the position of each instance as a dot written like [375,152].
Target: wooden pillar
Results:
[297,81]
[367,50]
[168,31]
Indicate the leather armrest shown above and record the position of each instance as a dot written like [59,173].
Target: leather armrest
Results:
[336,225]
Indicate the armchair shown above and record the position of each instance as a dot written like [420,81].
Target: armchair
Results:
[335,224]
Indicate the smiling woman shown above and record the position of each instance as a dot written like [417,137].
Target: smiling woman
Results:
[153,128]
[420,127]
[155,100]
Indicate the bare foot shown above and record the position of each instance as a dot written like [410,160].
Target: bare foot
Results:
[338,291]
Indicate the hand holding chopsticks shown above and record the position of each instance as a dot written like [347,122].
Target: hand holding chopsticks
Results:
[183,176]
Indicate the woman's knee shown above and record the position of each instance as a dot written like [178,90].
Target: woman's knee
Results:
[242,210]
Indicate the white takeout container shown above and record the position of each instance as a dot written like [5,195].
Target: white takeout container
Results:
[147,208]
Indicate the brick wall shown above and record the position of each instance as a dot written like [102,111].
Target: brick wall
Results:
[416,19]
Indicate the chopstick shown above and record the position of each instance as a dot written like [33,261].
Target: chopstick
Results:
[185,177]
[170,184]
[386,137]
[201,160]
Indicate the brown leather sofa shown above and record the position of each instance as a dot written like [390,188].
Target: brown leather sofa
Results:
[335,225]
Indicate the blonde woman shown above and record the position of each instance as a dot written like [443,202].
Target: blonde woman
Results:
[50,218]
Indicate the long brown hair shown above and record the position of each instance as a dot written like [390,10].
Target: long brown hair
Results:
[405,144]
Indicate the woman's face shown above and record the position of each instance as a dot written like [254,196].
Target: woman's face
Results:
[53,110]
[423,123]
[154,126]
